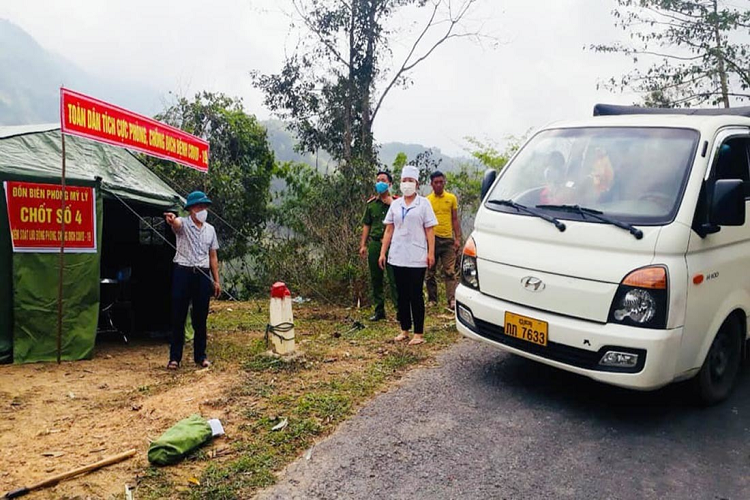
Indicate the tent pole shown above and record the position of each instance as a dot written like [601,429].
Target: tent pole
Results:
[62,258]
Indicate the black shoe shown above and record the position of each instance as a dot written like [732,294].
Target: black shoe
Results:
[377,317]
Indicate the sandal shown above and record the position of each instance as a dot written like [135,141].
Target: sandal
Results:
[204,364]
[401,337]
[173,365]
[417,340]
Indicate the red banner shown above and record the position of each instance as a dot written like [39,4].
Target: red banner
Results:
[94,119]
[35,215]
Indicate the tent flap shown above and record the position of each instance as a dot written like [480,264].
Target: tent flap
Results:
[6,285]
[35,279]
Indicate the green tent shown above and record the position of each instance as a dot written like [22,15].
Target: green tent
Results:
[125,242]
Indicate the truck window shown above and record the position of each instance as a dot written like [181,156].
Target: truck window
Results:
[637,174]
[731,161]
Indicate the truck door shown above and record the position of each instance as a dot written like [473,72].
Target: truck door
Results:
[719,263]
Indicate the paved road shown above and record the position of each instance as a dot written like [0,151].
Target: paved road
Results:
[484,424]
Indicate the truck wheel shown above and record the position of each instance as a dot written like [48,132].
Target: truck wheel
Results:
[718,374]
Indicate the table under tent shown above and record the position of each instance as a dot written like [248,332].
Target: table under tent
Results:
[123,288]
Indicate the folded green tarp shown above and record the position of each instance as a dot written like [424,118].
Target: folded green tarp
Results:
[182,438]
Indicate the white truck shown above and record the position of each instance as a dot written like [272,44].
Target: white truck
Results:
[617,248]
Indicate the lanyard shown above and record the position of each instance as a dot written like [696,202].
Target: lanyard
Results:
[404,212]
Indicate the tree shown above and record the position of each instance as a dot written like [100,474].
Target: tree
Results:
[659,99]
[332,88]
[488,154]
[466,184]
[241,165]
[426,164]
[696,43]
[314,240]
[398,165]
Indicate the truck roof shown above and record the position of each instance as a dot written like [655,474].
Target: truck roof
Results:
[702,122]
[616,110]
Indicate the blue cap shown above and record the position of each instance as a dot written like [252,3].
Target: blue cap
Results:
[196,198]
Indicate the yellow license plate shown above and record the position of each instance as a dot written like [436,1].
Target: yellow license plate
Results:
[530,330]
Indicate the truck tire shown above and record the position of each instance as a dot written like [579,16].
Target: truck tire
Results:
[718,374]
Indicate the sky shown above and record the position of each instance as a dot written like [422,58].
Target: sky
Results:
[537,72]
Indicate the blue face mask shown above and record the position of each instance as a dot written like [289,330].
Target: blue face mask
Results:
[381,187]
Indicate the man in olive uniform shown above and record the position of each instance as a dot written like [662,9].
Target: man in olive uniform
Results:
[373,227]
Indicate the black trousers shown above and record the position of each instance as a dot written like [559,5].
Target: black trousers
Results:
[409,281]
[189,285]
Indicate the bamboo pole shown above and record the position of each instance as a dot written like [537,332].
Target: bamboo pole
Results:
[67,475]
[62,258]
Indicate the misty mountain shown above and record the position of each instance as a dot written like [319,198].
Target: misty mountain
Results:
[31,77]
[282,142]
[30,82]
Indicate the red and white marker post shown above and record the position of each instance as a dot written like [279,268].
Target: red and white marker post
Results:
[281,322]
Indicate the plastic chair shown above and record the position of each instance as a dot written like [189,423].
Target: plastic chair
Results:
[120,302]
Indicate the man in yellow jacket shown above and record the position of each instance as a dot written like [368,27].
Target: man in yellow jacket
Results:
[447,240]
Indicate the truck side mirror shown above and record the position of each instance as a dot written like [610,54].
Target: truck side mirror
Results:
[728,203]
[488,180]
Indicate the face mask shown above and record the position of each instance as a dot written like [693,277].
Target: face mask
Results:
[202,215]
[381,187]
[409,188]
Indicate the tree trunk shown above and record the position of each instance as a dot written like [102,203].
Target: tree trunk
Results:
[348,115]
[720,65]
[368,68]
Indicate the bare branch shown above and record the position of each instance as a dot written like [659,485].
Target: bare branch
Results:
[742,72]
[667,56]
[325,42]
[408,64]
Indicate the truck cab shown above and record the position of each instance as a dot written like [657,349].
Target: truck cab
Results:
[618,248]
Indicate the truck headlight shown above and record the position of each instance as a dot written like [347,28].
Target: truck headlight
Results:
[642,299]
[638,305]
[469,271]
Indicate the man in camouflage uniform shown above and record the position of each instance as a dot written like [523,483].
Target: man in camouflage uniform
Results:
[373,228]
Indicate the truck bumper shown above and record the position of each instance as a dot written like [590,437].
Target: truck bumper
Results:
[574,345]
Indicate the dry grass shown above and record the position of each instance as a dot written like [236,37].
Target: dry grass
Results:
[124,397]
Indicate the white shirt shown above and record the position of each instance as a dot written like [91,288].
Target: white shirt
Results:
[409,242]
[193,244]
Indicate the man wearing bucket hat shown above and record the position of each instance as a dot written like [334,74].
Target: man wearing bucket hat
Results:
[195,277]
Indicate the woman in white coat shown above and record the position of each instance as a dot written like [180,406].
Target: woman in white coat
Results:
[410,234]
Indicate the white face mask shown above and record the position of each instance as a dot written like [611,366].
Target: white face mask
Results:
[202,215]
[408,188]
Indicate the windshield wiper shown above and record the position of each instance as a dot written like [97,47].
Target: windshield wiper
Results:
[596,214]
[523,208]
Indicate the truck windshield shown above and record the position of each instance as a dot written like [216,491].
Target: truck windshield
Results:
[636,175]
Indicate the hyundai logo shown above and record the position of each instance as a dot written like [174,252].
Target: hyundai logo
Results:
[533,284]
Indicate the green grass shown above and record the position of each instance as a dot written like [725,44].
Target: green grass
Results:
[332,405]
[263,362]
[154,485]
[253,470]
[336,372]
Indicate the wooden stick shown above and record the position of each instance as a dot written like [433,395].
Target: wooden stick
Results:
[66,475]
[61,270]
